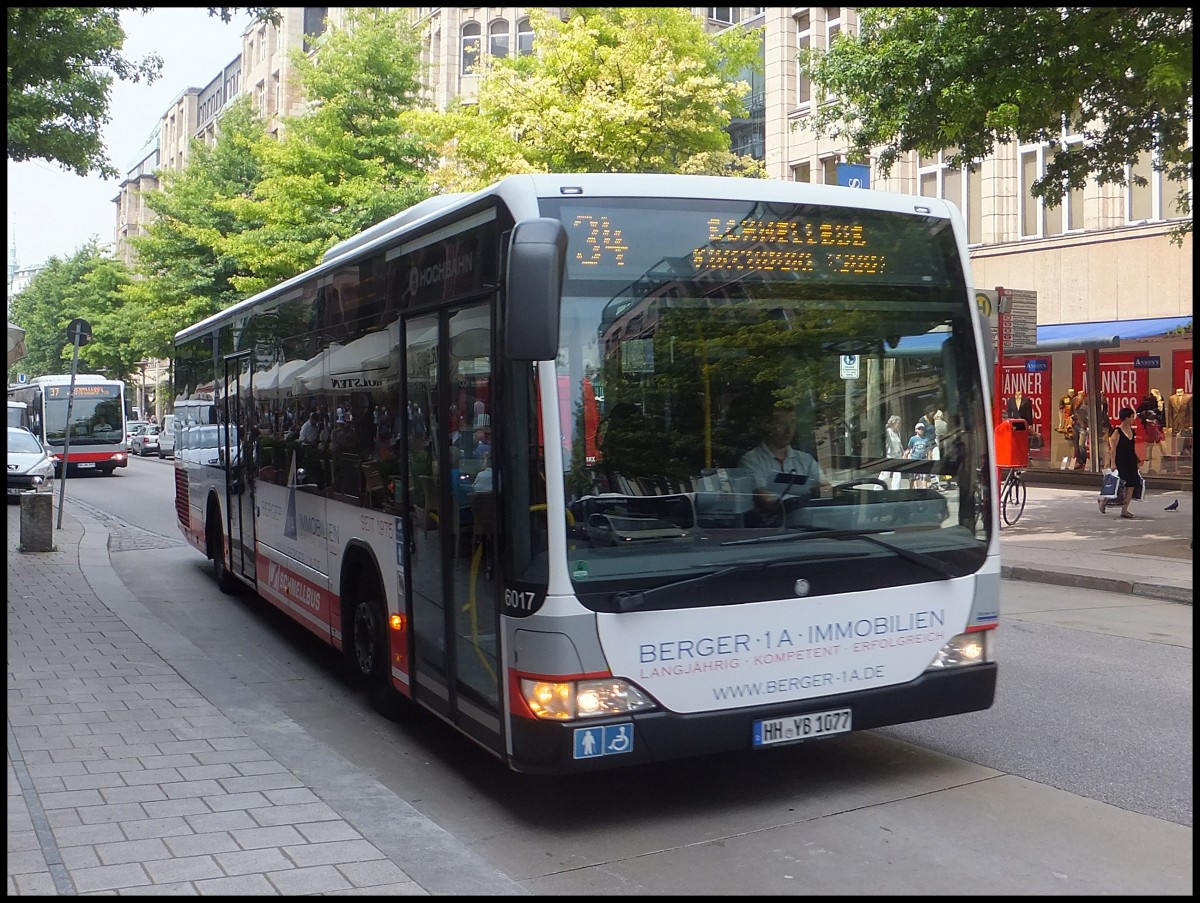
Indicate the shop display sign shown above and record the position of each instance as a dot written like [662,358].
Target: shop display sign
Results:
[1181,372]
[1122,382]
[1034,384]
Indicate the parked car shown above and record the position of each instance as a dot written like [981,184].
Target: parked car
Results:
[166,437]
[145,441]
[29,465]
[131,427]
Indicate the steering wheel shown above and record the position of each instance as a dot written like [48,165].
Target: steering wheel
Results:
[865,481]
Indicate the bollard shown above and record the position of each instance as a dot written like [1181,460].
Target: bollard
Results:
[37,522]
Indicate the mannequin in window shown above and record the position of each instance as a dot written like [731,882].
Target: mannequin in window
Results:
[1179,412]
[1019,406]
[1162,407]
[1079,426]
[1066,406]
[1152,431]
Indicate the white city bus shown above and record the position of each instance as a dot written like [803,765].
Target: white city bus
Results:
[505,451]
[97,431]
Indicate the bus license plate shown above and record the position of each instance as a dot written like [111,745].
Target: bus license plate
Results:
[82,464]
[795,728]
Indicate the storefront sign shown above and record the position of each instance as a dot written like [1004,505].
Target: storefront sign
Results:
[1037,364]
[1122,382]
[1181,371]
[1147,362]
[1034,385]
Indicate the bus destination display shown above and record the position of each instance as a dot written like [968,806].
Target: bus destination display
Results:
[619,239]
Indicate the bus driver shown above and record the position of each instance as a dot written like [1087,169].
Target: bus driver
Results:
[774,456]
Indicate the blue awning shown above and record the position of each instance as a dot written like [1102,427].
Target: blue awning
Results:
[1061,332]
[1125,329]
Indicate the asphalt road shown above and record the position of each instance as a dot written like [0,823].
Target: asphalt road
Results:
[1078,780]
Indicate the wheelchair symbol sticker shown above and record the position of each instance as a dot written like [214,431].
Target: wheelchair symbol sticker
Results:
[610,740]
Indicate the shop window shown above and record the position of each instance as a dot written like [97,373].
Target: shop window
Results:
[524,38]
[829,167]
[471,43]
[1037,218]
[803,42]
[499,39]
[936,178]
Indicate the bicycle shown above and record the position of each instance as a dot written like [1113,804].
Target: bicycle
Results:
[1012,496]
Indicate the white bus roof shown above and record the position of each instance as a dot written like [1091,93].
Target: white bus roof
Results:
[521,193]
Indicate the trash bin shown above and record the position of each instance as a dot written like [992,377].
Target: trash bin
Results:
[1012,443]
[37,522]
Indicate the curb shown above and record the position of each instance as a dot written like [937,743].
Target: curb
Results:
[1158,591]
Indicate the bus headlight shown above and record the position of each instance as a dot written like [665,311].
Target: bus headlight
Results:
[965,649]
[569,700]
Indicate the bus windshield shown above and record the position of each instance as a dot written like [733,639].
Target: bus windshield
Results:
[735,377]
[96,416]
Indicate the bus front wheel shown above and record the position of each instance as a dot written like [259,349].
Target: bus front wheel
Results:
[368,652]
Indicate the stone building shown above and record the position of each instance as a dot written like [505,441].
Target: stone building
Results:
[1102,264]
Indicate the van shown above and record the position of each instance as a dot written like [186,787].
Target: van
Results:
[166,437]
[17,413]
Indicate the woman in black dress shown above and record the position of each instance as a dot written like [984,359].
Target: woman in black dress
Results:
[1123,457]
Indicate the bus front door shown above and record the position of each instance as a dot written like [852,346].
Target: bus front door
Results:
[454,578]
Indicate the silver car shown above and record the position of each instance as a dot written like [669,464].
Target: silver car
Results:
[29,465]
[144,441]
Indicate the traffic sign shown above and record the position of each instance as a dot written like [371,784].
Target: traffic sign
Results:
[848,366]
[79,332]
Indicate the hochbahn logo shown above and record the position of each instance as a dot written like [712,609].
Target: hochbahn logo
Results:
[293,587]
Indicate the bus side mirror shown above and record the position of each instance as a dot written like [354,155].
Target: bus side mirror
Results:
[537,259]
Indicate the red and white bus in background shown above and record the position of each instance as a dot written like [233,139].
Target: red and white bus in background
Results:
[503,451]
[97,428]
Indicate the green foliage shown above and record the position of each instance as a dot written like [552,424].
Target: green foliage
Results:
[86,285]
[927,79]
[188,272]
[608,90]
[344,165]
[62,62]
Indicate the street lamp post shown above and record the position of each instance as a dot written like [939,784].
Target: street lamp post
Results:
[142,365]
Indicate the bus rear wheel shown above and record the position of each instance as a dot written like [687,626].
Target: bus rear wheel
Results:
[226,582]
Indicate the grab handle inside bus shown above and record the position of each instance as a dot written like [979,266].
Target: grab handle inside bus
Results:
[537,256]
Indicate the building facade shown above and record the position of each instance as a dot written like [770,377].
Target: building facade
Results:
[1101,264]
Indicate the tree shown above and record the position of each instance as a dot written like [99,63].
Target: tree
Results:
[347,163]
[61,63]
[928,79]
[88,285]
[608,90]
[188,272]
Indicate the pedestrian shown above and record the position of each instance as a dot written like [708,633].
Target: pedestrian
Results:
[920,448]
[1122,457]
[893,447]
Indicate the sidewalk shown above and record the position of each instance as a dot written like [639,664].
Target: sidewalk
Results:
[1062,538]
[124,778]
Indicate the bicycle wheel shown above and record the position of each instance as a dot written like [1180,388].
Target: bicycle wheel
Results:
[1012,499]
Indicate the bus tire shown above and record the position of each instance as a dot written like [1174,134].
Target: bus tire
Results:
[368,651]
[215,540]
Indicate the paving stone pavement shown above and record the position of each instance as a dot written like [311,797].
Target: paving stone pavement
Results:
[124,779]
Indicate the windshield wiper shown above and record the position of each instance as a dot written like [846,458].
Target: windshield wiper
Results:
[936,565]
[630,601]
